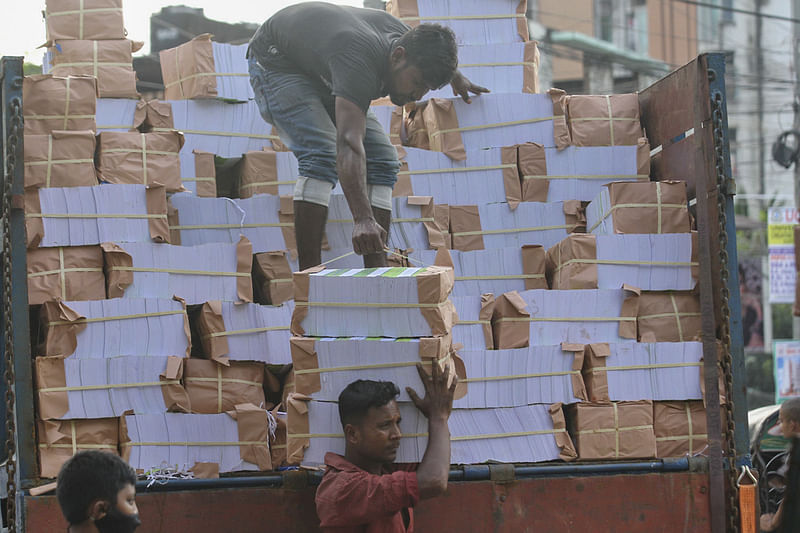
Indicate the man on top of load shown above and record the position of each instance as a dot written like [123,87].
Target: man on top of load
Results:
[315,68]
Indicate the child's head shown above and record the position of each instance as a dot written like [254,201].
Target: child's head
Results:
[789,418]
[99,487]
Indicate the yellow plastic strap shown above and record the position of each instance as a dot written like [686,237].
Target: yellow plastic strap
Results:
[73,433]
[66,100]
[245,331]
[587,177]
[178,271]
[512,230]
[624,263]
[501,64]
[36,116]
[203,74]
[234,226]
[111,318]
[113,386]
[657,205]
[281,280]
[266,183]
[645,367]
[454,170]
[677,316]
[50,162]
[490,126]
[510,276]
[367,304]
[468,17]
[611,122]
[195,443]
[519,376]
[277,446]
[138,150]
[81,11]
[366,367]
[199,179]
[63,271]
[91,215]
[666,315]
[77,447]
[49,159]
[394,220]
[221,379]
[471,322]
[114,127]
[178,70]
[223,134]
[568,319]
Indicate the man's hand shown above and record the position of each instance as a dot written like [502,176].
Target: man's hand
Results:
[438,401]
[766,522]
[368,237]
[462,87]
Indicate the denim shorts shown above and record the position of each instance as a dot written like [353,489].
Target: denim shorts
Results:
[294,105]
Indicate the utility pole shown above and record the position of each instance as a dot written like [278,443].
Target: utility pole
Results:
[796,106]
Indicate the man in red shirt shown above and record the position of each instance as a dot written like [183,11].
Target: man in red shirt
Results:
[364,492]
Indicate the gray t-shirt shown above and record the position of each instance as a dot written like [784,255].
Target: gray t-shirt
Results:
[344,49]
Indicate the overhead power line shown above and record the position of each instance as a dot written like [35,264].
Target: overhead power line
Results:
[742,11]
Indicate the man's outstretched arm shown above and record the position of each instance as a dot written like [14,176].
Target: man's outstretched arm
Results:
[434,469]
[351,165]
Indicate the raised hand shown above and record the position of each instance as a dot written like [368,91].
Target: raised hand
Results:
[438,401]
[462,87]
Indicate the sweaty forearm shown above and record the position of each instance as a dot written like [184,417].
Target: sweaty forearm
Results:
[351,165]
[434,469]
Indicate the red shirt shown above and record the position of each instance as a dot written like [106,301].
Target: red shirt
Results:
[351,500]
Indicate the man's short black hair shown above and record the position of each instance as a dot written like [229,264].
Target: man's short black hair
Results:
[89,476]
[432,49]
[357,398]
[790,410]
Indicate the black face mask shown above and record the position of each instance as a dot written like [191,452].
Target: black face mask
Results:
[118,522]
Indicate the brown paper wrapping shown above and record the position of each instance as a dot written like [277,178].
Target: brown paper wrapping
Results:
[258,174]
[669,316]
[511,176]
[61,439]
[513,333]
[532,164]
[630,308]
[296,427]
[175,397]
[173,221]
[436,219]
[216,388]
[680,428]
[533,266]
[565,275]
[403,185]
[110,61]
[154,115]
[433,287]
[84,19]
[244,265]
[578,358]
[416,132]
[485,317]
[465,219]
[622,430]
[563,441]
[210,325]
[145,158]
[71,273]
[530,71]
[596,356]
[522,21]
[55,103]
[647,215]
[116,280]
[277,441]
[575,216]
[286,217]
[205,470]
[61,326]
[272,278]
[561,132]
[610,120]
[205,174]
[253,425]
[304,358]
[288,388]
[60,159]
[188,70]
[441,123]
